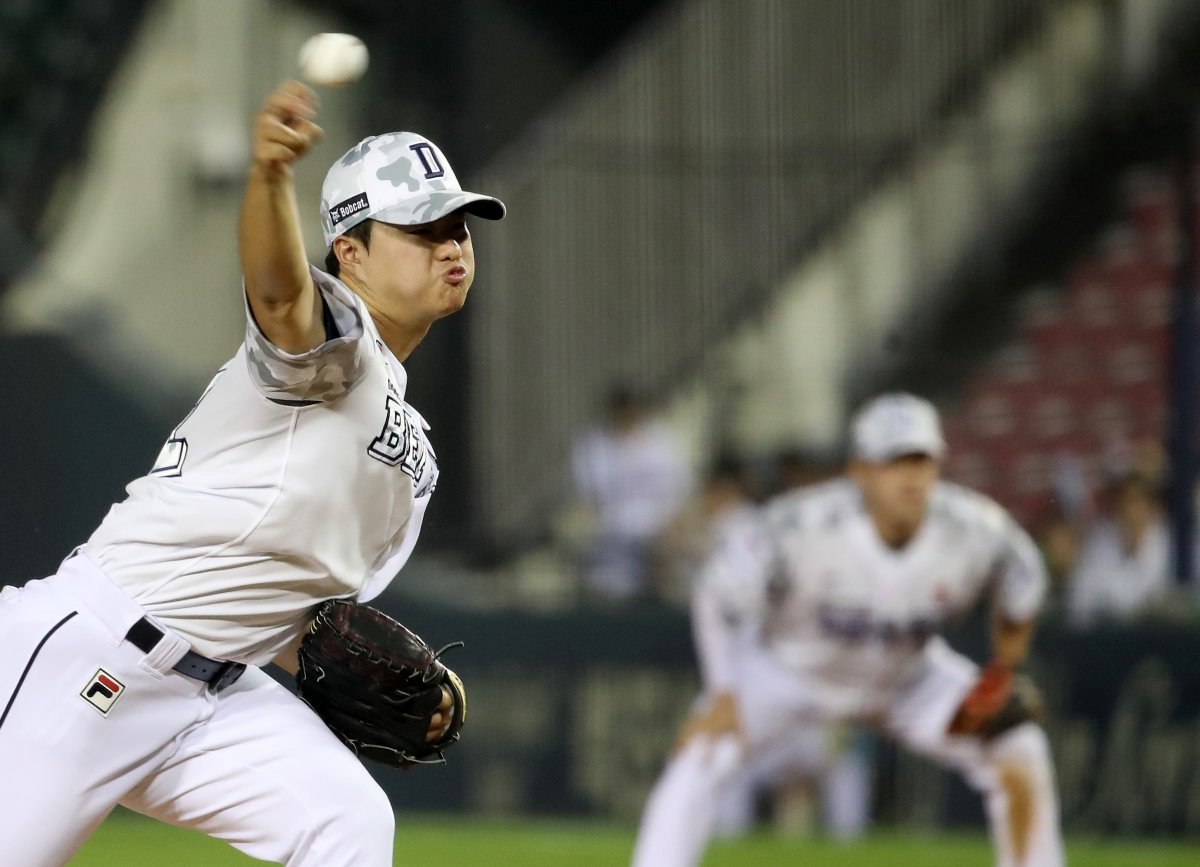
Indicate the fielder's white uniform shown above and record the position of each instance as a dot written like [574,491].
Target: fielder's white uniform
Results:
[816,618]
[293,480]
[819,750]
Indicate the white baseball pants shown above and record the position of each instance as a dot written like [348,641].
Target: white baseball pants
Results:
[88,721]
[1014,771]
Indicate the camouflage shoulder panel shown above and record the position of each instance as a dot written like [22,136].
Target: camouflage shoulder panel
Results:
[324,373]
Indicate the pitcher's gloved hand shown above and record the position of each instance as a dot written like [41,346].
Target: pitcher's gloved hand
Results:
[379,687]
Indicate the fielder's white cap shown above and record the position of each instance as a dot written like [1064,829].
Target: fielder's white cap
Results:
[397,177]
[897,424]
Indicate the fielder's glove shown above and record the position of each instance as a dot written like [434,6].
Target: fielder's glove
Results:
[377,685]
[1001,699]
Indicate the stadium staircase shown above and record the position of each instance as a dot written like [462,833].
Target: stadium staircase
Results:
[798,261]
[1084,376]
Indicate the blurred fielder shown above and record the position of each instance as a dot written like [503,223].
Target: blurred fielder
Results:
[817,762]
[830,612]
[301,475]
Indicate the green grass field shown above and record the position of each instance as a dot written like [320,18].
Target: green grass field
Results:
[129,841]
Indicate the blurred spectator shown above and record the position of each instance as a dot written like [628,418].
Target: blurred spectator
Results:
[1069,488]
[1125,563]
[687,540]
[1059,536]
[1144,457]
[631,473]
[798,468]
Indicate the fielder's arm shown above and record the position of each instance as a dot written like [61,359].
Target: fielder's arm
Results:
[1002,697]
[282,297]
[728,604]
[719,640]
[1010,640]
[1020,588]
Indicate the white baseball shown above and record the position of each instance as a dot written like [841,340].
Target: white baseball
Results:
[333,59]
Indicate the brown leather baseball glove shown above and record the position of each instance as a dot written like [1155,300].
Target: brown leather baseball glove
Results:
[1001,699]
[377,685]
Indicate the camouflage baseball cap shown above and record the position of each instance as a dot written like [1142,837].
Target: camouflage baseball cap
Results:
[397,177]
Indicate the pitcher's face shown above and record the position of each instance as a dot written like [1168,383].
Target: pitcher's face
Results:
[427,268]
[411,274]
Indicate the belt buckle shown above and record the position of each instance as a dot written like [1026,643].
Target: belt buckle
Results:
[226,676]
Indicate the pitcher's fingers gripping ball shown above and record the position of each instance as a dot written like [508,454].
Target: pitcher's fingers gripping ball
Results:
[285,129]
[1000,700]
[379,687]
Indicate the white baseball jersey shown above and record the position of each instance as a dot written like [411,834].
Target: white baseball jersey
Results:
[294,479]
[724,622]
[1110,582]
[814,583]
[637,480]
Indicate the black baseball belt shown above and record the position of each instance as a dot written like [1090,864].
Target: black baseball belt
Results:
[217,673]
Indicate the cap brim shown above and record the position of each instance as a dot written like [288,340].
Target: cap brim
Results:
[900,450]
[487,207]
[418,211]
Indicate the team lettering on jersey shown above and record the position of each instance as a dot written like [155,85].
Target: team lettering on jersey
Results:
[855,623]
[402,443]
[858,621]
[169,463]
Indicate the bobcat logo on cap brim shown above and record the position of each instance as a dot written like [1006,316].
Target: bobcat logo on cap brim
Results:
[348,208]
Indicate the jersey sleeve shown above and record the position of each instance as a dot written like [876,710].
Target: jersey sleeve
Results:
[1020,574]
[729,600]
[323,373]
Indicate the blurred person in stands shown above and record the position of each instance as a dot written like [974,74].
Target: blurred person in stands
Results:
[1059,537]
[686,541]
[799,468]
[632,475]
[1124,565]
[825,606]
[1060,526]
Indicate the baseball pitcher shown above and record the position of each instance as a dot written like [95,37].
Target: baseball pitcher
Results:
[290,494]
